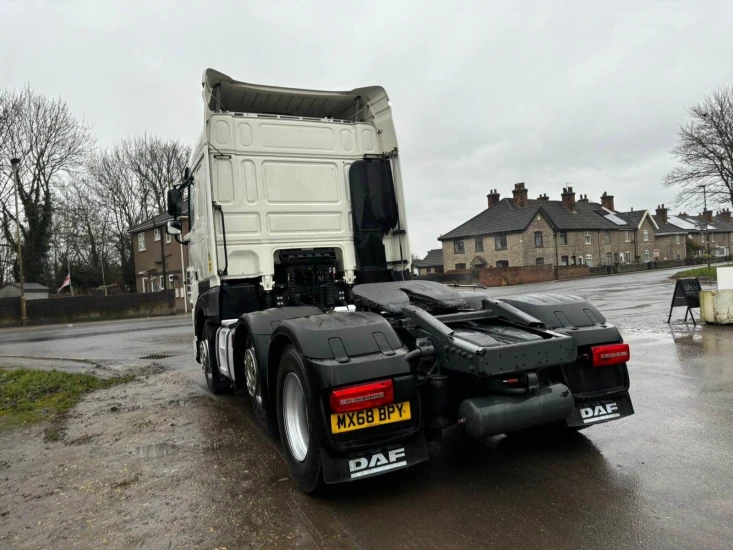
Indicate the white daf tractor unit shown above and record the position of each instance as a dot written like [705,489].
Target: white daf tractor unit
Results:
[304,303]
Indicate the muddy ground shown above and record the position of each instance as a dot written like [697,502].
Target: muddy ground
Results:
[140,466]
[160,463]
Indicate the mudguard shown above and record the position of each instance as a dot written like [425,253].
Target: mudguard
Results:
[341,349]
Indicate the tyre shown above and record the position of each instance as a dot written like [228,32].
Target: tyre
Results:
[209,363]
[297,419]
[253,379]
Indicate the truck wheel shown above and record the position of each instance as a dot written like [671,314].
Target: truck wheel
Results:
[254,381]
[207,352]
[297,421]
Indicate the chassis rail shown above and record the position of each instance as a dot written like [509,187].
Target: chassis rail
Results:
[460,355]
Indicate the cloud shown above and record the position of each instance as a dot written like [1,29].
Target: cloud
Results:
[484,95]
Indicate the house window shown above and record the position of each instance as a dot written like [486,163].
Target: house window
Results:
[606,237]
[563,237]
[538,239]
[167,238]
[646,255]
[539,261]
[171,281]
[479,244]
[458,247]
[141,242]
[677,239]
[156,234]
[646,234]
[587,237]
[460,266]
[628,236]
[589,260]
[628,257]
[609,258]
[502,263]
[678,255]
[500,242]
[563,260]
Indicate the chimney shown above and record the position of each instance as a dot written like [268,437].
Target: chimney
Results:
[662,213]
[493,198]
[520,195]
[543,197]
[583,198]
[568,198]
[607,202]
[707,215]
[725,215]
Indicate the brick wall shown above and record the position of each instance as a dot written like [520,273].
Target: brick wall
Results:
[572,271]
[88,308]
[506,276]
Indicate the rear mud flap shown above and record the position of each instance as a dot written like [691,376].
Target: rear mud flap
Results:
[603,410]
[376,461]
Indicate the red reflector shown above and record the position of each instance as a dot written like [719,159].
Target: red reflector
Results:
[363,396]
[612,354]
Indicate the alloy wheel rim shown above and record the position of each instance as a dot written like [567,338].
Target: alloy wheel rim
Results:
[250,371]
[205,361]
[295,417]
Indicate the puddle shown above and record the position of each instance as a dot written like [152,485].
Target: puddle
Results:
[155,451]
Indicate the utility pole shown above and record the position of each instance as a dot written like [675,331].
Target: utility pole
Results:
[162,255]
[705,221]
[23,316]
[68,267]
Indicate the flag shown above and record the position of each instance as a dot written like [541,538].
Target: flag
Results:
[67,282]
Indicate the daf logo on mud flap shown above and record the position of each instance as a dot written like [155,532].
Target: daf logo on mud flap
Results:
[596,413]
[379,462]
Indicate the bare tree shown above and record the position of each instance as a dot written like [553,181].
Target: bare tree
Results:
[130,181]
[158,165]
[705,152]
[52,145]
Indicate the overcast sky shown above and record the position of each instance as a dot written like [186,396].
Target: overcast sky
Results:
[483,96]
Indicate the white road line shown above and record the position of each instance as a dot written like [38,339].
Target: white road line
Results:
[379,469]
[599,418]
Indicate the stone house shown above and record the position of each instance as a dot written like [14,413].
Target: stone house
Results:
[718,229]
[671,241]
[430,264]
[160,262]
[522,232]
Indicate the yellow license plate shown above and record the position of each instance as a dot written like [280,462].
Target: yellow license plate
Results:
[357,420]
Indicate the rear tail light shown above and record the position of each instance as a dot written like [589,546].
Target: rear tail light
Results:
[363,396]
[611,354]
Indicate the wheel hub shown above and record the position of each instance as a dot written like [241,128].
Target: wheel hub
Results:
[295,417]
[204,354]
[250,372]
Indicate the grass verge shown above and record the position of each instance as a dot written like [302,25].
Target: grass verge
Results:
[704,272]
[28,396]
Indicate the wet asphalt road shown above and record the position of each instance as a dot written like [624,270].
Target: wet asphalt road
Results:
[662,478]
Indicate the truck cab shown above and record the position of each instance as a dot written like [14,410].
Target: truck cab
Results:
[304,303]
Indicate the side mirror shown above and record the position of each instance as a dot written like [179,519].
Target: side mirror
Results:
[174,227]
[175,202]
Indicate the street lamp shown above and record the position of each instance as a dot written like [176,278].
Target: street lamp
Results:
[23,317]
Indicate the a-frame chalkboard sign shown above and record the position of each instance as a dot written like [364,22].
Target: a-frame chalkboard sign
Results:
[687,294]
